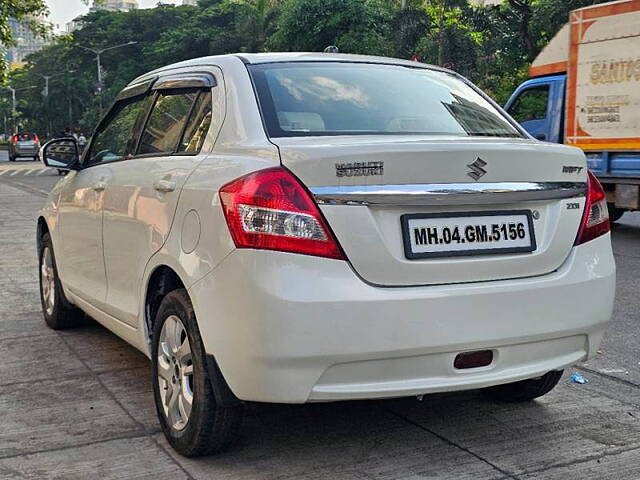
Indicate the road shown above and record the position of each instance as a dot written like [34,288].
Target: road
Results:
[78,404]
[28,174]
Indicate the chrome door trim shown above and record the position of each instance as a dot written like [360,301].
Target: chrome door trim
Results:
[447,193]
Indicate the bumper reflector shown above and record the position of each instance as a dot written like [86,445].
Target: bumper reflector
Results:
[481,358]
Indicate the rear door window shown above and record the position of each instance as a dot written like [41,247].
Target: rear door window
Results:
[167,122]
[198,124]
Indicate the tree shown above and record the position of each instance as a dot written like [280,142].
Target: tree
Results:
[256,21]
[354,26]
[410,23]
[451,39]
[492,46]
[21,10]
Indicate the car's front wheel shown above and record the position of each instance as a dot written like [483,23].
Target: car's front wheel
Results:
[525,390]
[58,312]
[193,422]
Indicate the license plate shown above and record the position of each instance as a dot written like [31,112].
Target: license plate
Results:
[467,233]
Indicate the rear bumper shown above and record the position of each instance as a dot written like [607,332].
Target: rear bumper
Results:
[293,328]
[25,152]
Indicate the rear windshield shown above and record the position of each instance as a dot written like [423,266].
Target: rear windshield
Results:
[327,98]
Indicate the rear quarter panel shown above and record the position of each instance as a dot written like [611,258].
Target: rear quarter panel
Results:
[239,147]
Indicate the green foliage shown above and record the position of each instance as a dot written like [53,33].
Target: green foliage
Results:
[355,26]
[492,46]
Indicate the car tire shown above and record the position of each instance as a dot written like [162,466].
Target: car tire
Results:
[525,390]
[614,212]
[12,158]
[58,313]
[206,426]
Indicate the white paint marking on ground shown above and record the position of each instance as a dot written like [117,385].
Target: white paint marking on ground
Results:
[41,171]
[14,173]
[2,172]
[30,171]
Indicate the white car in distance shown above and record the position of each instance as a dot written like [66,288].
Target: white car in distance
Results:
[299,228]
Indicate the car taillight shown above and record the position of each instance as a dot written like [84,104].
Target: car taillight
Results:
[271,210]
[36,139]
[595,219]
[14,139]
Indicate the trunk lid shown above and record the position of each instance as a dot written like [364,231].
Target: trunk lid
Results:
[443,176]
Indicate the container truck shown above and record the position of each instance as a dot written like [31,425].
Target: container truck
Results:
[584,91]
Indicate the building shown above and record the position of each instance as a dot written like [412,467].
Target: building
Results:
[114,5]
[110,5]
[73,25]
[27,42]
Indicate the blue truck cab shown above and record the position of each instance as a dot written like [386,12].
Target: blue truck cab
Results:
[539,106]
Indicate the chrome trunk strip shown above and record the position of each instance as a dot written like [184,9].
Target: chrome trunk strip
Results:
[447,193]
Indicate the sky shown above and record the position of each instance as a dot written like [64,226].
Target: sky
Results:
[63,11]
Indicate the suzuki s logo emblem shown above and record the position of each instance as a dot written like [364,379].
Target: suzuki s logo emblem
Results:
[477,169]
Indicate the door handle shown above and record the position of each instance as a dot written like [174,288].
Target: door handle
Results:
[164,186]
[99,186]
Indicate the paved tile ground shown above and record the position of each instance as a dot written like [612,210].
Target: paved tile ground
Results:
[78,405]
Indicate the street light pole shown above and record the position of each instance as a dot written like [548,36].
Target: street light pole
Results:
[13,109]
[98,54]
[49,77]
[99,80]
[13,104]
[45,93]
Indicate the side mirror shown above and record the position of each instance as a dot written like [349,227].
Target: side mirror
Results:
[61,153]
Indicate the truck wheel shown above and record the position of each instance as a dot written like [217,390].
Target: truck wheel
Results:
[614,212]
[58,313]
[525,390]
[193,422]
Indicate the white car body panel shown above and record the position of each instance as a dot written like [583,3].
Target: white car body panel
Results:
[293,331]
[136,222]
[370,235]
[295,328]
[79,218]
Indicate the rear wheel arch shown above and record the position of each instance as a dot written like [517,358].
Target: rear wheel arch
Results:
[43,228]
[162,280]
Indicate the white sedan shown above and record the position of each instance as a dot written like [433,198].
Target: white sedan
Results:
[317,227]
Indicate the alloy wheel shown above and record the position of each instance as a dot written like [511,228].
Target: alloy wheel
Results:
[175,373]
[48,281]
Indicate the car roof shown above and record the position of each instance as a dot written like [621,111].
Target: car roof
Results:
[254,58]
[280,57]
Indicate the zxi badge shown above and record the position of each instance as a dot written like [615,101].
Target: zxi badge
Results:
[476,169]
